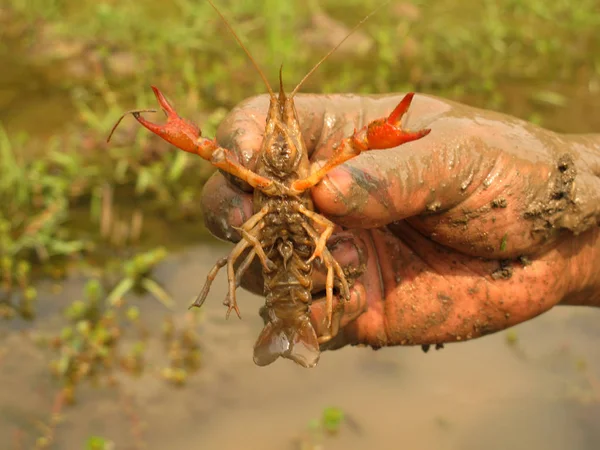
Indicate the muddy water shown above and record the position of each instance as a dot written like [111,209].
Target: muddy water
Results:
[476,395]
[29,102]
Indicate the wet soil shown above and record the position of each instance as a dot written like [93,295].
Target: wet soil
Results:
[483,394]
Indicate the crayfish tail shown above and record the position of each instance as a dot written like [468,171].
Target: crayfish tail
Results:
[298,343]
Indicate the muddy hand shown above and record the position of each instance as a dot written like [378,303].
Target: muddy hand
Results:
[486,223]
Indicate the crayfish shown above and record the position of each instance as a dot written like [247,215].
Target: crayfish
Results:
[285,233]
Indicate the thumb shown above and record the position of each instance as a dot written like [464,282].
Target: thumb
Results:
[432,174]
[482,170]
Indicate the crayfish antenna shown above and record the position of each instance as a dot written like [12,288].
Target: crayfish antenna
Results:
[281,90]
[134,112]
[239,41]
[316,66]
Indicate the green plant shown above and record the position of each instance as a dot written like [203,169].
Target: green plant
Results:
[90,345]
[34,200]
[98,443]
[136,276]
[15,283]
[332,420]
[183,350]
[328,425]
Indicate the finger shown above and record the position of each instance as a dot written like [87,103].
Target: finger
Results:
[433,173]
[348,312]
[349,249]
[361,320]
[483,170]
[225,207]
[433,295]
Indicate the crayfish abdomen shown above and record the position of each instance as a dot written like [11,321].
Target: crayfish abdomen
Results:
[288,332]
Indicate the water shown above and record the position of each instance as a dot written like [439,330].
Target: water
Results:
[30,99]
[482,394]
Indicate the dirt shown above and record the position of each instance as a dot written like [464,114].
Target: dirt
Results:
[482,393]
[504,272]
[524,260]
[499,202]
[425,347]
[559,200]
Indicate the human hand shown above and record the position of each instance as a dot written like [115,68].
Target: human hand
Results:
[487,222]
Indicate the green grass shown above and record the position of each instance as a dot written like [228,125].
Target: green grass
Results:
[464,50]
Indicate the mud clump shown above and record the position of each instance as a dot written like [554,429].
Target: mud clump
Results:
[500,202]
[546,213]
[524,260]
[425,347]
[504,272]
[434,207]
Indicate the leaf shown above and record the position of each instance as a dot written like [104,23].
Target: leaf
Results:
[504,242]
[178,166]
[332,419]
[155,289]
[96,205]
[66,247]
[120,290]
[90,117]
[550,97]
[144,180]
[98,443]
[63,364]
[66,160]
[121,170]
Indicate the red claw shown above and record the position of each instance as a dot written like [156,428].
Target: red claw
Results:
[387,133]
[401,109]
[181,133]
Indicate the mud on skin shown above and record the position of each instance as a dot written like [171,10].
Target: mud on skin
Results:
[524,198]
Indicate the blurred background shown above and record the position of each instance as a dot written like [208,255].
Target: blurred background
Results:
[102,247]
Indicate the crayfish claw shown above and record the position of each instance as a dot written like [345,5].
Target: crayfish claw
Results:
[388,133]
[182,133]
[396,116]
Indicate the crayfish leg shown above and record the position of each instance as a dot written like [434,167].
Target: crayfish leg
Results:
[297,342]
[248,239]
[230,300]
[334,328]
[325,235]
[379,134]
[244,267]
[252,238]
[228,261]
[209,279]
[332,267]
